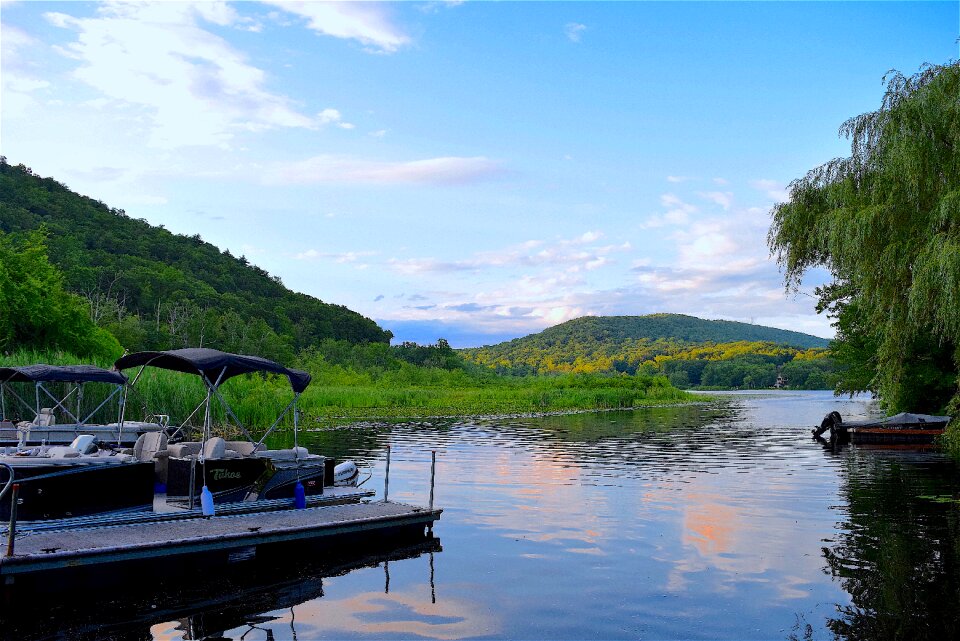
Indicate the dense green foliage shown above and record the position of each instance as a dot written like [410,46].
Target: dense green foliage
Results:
[153,289]
[690,351]
[36,311]
[886,223]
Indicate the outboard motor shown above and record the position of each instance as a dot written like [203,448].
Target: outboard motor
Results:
[346,474]
[830,422]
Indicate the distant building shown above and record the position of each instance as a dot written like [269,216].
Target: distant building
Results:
[781,382]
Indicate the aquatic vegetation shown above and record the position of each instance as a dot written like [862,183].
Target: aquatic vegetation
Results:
[346,392]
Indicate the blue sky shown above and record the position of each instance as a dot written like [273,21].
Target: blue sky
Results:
[475,171]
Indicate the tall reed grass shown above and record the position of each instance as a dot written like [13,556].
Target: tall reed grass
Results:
[341,395]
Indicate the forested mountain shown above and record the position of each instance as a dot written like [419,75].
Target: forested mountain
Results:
[691,351]
[153,289]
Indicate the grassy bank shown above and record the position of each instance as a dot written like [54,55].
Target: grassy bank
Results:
[346,390]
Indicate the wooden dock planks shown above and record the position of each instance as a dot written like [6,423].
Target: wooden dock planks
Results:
[70,548]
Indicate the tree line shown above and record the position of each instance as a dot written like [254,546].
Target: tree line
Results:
[153,289]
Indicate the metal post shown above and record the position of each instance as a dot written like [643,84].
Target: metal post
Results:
[12,532]
[433,474]
[386,478]
[193,478]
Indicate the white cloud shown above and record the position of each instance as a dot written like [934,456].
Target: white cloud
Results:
[773,189]
[722,198]
[333,116]
[19,81]
[556,263]
[189,86]
[379,133]
[343,169]
[678,212]
[351,257]
[721,181]
[574,31]
[365,22]
[678,179]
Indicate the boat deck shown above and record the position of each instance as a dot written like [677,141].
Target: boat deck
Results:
[72,547]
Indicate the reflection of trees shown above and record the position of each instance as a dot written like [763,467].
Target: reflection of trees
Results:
[900,556]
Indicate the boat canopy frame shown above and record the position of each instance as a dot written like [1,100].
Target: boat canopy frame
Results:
[213,367]
[79,375]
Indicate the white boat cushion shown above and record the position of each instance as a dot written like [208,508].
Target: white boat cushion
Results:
[184,449]
[243,448]
[292,454]
[63,451]
[214,448]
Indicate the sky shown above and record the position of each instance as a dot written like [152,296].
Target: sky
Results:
[476,171]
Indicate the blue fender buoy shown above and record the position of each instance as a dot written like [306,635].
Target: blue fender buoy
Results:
[206,501]
[299,496]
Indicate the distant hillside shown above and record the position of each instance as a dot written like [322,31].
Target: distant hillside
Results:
[687,349]
[678,327]
[156,290]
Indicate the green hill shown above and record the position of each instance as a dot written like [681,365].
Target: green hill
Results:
[693,352]
[679,327]
[653,327]
[157,290]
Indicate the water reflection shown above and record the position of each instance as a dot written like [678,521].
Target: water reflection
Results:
[721,521]
[253,600]
[899,552]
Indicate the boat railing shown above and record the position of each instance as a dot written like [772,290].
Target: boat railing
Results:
[9,483]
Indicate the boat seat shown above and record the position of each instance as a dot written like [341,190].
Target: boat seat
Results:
[8,430]
[292,454]
[214,448]
[45,418]
[63,451]
[244,448]
[184,449]
[149,446]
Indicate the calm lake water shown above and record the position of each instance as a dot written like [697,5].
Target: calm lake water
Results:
[719,521]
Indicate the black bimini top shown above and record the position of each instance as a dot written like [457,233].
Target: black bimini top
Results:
[60,374]
[215,365]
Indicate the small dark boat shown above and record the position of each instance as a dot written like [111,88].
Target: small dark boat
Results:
[900,429]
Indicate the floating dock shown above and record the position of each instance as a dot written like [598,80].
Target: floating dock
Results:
[227,537]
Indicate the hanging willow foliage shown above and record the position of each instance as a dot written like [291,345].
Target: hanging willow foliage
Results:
[886,223]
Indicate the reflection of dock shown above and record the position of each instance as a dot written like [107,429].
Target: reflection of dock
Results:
[246,594]
[219,537]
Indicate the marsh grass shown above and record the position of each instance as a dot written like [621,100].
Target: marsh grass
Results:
[341,395]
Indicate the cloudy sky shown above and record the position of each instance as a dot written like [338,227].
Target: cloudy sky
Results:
[475,171]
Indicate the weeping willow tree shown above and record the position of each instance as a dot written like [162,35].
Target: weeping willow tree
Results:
[886,223]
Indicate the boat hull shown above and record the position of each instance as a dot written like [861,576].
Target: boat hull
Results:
[242,478]
[880,436]
[63,491]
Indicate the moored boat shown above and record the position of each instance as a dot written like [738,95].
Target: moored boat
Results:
[58,419]
[57,482]
[904,428]
[235,470]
